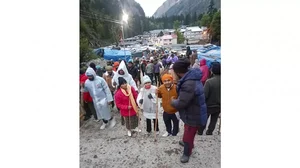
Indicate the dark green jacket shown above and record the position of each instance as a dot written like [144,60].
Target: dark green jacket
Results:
[212,91]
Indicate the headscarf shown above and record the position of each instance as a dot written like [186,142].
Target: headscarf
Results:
[167,76]
[108,68]
[115,66]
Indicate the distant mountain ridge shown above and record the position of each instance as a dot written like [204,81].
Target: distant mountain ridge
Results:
[178,7]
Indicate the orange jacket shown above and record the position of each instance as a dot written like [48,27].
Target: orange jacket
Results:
[166,98]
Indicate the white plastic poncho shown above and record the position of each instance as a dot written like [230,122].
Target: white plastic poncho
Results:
[100,93]
[149,105]
[126,76]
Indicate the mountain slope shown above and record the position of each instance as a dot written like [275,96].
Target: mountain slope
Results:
[164,7]
[184,7]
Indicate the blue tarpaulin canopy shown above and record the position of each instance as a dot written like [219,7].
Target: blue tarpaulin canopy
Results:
[115,55]
[211,54]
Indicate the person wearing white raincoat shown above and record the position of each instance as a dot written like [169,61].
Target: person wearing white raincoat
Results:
[102,98]
[147,101]
[123,72]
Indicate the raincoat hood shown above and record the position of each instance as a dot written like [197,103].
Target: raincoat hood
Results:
[145,79]
[202,62]
[90,71]
[123,67]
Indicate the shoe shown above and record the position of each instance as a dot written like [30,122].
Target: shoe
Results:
[147,133]
[166,134]
[199,133]
[157,132]
[184,158]
[129,133]
[96,120]
[112,123]
[103,126]
[137,130]
[208,133]
[181,143]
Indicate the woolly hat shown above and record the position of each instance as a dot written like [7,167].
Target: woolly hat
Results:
[216,68]
[121,81]
[145,79]
[108,68]
[181,66]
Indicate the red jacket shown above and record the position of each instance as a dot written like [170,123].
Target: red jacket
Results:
[122,102]
[86,95]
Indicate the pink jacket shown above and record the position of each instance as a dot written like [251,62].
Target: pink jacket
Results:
[205,71]
[122,102]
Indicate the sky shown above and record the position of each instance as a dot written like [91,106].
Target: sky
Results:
[150,6]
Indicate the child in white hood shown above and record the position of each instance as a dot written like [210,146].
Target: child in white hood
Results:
[147,101]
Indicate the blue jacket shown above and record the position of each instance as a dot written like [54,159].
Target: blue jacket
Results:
[191,99]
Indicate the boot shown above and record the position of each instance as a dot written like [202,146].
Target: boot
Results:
[184,158]
[122,121]
[208,132]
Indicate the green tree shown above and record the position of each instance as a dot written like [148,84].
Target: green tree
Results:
[176,24]
[216,27]
[86,53]
[210,8]
[160,34]
[187,19]
[194,19]
[205,21]
[180,37]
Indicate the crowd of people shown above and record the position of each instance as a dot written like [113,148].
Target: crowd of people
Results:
[188,88]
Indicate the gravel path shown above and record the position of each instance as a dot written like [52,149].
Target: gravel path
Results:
[112,147]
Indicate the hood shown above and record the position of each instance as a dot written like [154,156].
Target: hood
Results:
[192,74]
[90,71]
[123,67]
[116,64]
[202,62]
[145,79]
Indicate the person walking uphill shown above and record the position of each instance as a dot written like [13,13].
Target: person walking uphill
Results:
[123,72]
[212,90]
[205,71]
[87,99]
[157,67]
[102,98]
[147,101]
[150,70]
[166,91]
[190,104]
[133,71]
[125,100]
[107,76]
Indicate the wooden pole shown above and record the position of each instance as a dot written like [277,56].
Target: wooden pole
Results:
[156,115]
